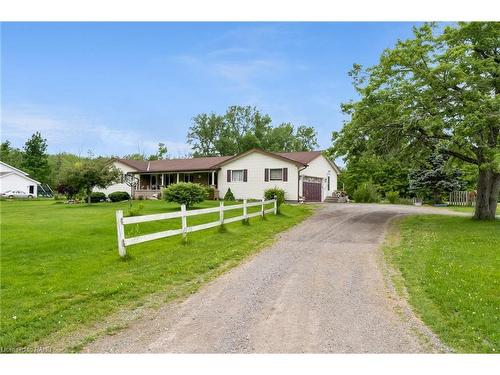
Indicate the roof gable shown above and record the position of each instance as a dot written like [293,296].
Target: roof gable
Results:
[23,175]
[11,168]
[267,153]
[308,156]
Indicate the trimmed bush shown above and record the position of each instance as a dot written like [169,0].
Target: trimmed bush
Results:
[97,196]
[119,196]
[229,195]
[275,192]
[392,196]
[186,193]
[366,193]
[210,193]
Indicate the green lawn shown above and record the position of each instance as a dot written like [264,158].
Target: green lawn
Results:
[60,269]
[468,209]
[451,269]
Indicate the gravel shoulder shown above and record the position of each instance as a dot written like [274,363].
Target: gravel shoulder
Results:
[320,288]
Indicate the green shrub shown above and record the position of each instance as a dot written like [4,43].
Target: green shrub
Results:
[186,193]
[229,195]
[408,201]
[392,196]
[119,196]
[275,192]
[96,196]
[210,193]
[366,193]
[135,211]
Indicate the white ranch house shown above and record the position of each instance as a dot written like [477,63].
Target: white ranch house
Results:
[15,179]
[308,174]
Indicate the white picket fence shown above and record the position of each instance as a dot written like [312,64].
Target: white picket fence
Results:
[183,214]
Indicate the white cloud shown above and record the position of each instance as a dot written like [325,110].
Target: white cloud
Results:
[76,134]
[238,68]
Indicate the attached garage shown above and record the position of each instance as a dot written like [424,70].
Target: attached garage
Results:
[311,189]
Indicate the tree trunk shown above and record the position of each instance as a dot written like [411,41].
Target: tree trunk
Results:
[488,188]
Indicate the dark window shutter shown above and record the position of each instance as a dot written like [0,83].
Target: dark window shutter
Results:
[245,175]
[285,174]
[228,175]
[266,174]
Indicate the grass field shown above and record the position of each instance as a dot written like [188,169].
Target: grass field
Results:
[468,209]
[60,269]
[451,269]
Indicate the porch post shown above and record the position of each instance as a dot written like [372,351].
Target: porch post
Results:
[177,177]
[213,178]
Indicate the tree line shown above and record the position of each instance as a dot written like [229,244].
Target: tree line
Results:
[238,130]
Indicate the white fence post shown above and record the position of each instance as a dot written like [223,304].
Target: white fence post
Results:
[221,212]
[184,222]
[120,233]
[245,214]
[275,206]
[122,221]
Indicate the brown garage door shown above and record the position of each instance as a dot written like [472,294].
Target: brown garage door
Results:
[312,191]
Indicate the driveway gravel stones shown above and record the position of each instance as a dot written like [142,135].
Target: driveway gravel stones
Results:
[320,288]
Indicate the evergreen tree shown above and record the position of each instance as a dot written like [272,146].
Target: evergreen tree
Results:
[435,178]
[35,160]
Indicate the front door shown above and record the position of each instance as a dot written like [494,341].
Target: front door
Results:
[312,191]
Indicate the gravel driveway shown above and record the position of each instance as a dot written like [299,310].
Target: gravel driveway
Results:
[319,288]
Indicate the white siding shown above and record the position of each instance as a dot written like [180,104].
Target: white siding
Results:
[254,188]
[16,181]
[319,167]
[118,186]
[7,168]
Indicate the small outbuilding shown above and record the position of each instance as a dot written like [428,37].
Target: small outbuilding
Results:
[15,179]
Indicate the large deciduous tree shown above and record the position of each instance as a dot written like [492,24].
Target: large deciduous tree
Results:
[243,128]
[436,91]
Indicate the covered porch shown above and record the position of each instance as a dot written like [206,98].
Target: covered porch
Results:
[150,185]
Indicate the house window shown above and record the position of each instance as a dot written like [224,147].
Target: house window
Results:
[276,174]
[237,175]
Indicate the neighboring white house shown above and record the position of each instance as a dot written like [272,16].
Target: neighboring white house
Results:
[300,174]
[14,179]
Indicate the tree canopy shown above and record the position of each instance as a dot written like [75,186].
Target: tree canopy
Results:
[35,158]
[87,174]
[11,155]
[438,91]
[160,154]
[243,128]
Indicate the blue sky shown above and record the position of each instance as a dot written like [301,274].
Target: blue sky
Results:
[116,88]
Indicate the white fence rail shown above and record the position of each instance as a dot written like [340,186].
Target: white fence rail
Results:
[462,198]
[184,214]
